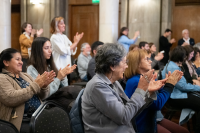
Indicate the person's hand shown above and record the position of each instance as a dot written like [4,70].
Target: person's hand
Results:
[65,71]
[33,32]
[45,79]
[172,40]
[155,85]
[78,37]
[137,33]
[39,32]
[198,78]
[159,56]
[49,78]
[145,79]
[175,77]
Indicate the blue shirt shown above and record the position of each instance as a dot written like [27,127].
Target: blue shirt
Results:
[182,87]
[143,120]
[126,42]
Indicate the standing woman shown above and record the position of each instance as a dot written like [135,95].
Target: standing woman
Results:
[124,40]
[63,48]
[25,41]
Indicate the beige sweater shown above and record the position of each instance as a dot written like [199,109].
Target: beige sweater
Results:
[13,97]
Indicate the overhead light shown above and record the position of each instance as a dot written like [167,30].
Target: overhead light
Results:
[36,1]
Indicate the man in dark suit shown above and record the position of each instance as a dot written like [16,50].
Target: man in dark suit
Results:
[186,40]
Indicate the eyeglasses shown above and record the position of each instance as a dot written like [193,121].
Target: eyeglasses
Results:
[148,59]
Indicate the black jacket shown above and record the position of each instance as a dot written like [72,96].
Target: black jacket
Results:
[164,45]
[181,41]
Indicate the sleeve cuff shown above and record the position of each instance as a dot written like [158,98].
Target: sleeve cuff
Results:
[146,94]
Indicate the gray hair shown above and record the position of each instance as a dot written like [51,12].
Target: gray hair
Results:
[110,54]
[197,45]
[184,31]
[83,45]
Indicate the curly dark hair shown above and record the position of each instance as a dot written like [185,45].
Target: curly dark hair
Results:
[109,55]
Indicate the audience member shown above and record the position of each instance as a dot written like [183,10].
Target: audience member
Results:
[62,47]
[188,69]
[196,60]
[25,41]
[165,46]
[105,106]
[124,40]
[92,63]
[182,95]
[41,60]
[144,45]
[133,47]
[155,58]
[151,117]
[83,60]
[20,95]
[186,40]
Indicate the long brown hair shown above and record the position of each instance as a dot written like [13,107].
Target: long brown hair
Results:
[134,58]
[37,58]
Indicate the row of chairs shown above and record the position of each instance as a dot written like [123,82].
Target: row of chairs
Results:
[48,118]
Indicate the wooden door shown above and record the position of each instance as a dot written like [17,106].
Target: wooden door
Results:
[15,24]
[85,18]
[186,17]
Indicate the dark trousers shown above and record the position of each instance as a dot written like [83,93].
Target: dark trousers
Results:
[192,102]
[25,63]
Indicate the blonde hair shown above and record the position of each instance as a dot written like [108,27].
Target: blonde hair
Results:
[54,24]
[134,58]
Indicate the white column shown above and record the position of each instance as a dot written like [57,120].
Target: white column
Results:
[108,20]
[5,24]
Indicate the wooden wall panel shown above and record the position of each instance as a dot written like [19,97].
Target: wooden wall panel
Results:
[186,17]
[15,24]
[81,2]
[15,30]
[85,19]
[187,2]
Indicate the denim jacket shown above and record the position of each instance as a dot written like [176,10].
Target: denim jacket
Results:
[182,87]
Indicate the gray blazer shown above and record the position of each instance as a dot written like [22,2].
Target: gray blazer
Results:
[103,110]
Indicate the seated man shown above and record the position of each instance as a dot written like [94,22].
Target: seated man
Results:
[92,63]
[83,60]
[144,45]
[186,40]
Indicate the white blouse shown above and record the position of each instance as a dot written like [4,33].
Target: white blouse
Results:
[61,50]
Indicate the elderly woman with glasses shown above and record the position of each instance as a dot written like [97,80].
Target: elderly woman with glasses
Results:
[150,119]
[105,106]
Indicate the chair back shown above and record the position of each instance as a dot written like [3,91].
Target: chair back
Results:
[76,115]
[50,118]
[7,127]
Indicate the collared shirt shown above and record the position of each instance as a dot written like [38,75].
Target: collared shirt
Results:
[187,41]
[61,50]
